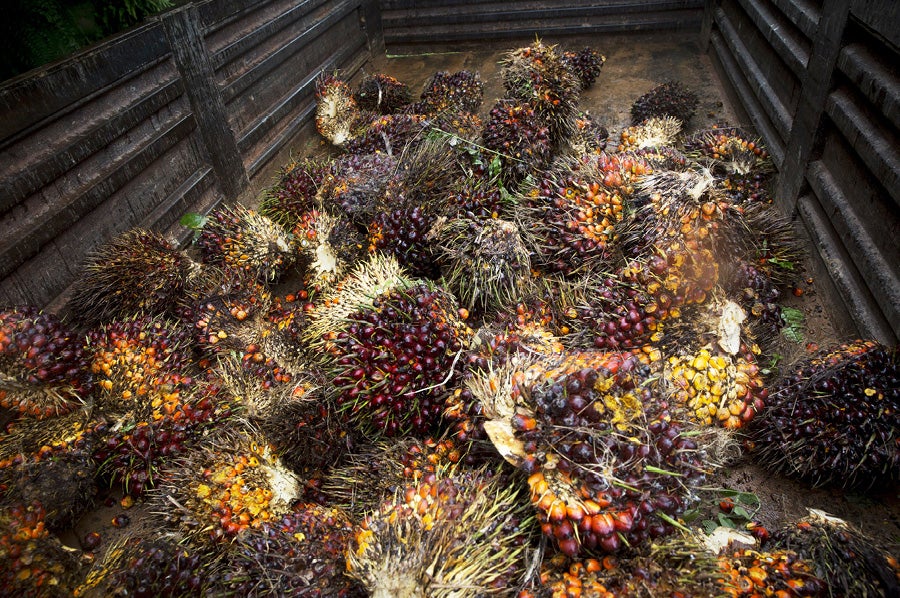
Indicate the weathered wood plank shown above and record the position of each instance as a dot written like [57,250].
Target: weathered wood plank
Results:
[801,13]
[777,31]
[877,80]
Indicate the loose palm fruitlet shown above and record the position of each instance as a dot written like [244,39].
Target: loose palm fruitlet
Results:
[240,239]
[521,141]
[671,98]
[461,91]
[452,534]
[585,64]
[44,367]
[850,563]
[389,343]
[336,110]
[138,272]
[537,74]
[382,93]
[834,420]
[750,573]
[294,193]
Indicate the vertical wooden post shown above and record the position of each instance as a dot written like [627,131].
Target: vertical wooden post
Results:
[192,59]
[709,9]
[815,85]
[371,20]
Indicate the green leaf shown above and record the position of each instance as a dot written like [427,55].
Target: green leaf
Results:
[193,220]
[709,526]
[724,521]
[793,329]
[496,166]
[741,512]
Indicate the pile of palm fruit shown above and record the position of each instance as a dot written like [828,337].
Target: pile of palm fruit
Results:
[465,354]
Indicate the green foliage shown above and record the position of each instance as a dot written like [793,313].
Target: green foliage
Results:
[793,328]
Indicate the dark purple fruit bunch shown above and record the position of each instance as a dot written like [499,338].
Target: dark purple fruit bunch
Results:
[237,238]
[536,74]
[44,367]
[389,343]
[382,94]
[834,420]
[461,91]
[386,134]
[354,183]
[521,141]
[671,98]
[402,232]
[294,193]
[585,64]
[336,111]
[478,196]
[756,292]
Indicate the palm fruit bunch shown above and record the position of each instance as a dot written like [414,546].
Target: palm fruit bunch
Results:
[849,562]
[299,554]
[145,566]
[756,292]
[485,263]
[137,272]
[382,93]
[336,111]
[478,196]
[585,64]
[387,134]
[572,578]
[589,137]
[519,138]
[662,158]
[608,465]
[353,184]
[465,126]
[32,561]
[241,484]
[749,573]
[834,419]
[668,99]
[537,74]
[461,91]
[740,162]
[452,534]
[659,131]
[575,215]
[328,245]
[389,343]
[44,368]
[243,240]
[294,193]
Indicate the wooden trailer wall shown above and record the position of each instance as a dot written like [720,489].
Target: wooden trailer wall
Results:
[171,117]
[820,81]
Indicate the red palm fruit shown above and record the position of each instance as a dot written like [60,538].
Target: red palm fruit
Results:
[521,141]
[585,64]
[295,192]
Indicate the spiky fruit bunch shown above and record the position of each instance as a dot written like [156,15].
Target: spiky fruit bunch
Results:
[668,99]
[229,484]
[241,239]
[607,464]
[729,151]
[294,193]
[389,343]
[662,131]
[403,233]
[382,93]
[485,263]
[386,134]
[521,140]
[461,91]
[834,420]
[299,554]
[137,272]
[581,578]
[44,368]
[536,74]
[478,196]
[354,183]
[849,562]
[662,158]
[328,246]
[716,386]
[754,289]
[589,137]
[464,126]
[752,574]
[585,64]
[336,110]
[32,561]
[448,535]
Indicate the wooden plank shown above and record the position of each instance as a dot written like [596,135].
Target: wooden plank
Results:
[880,16]
[183,31]
[802,13]
[876,79]
[777,31]
[522,11]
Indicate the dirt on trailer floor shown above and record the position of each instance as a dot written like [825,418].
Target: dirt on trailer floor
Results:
[634,65]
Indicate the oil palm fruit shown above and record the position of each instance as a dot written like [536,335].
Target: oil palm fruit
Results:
[137,272]
[671,98]
[834,419]
[241,484]
[662,158]
[537,74]
[660,131]
[521,141]
[295,192]
[353,184]
[461,91]
[757,294]
[44,368]
[328,246]
[589,137]
[485,263]
[33,562]
[336,110]
[849,562]
[729,151]
[389,343]
[608,465]
[478,195]
[749,573]
[240,239]
[382,93]
[585,64]
[448,535]
[386,134]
